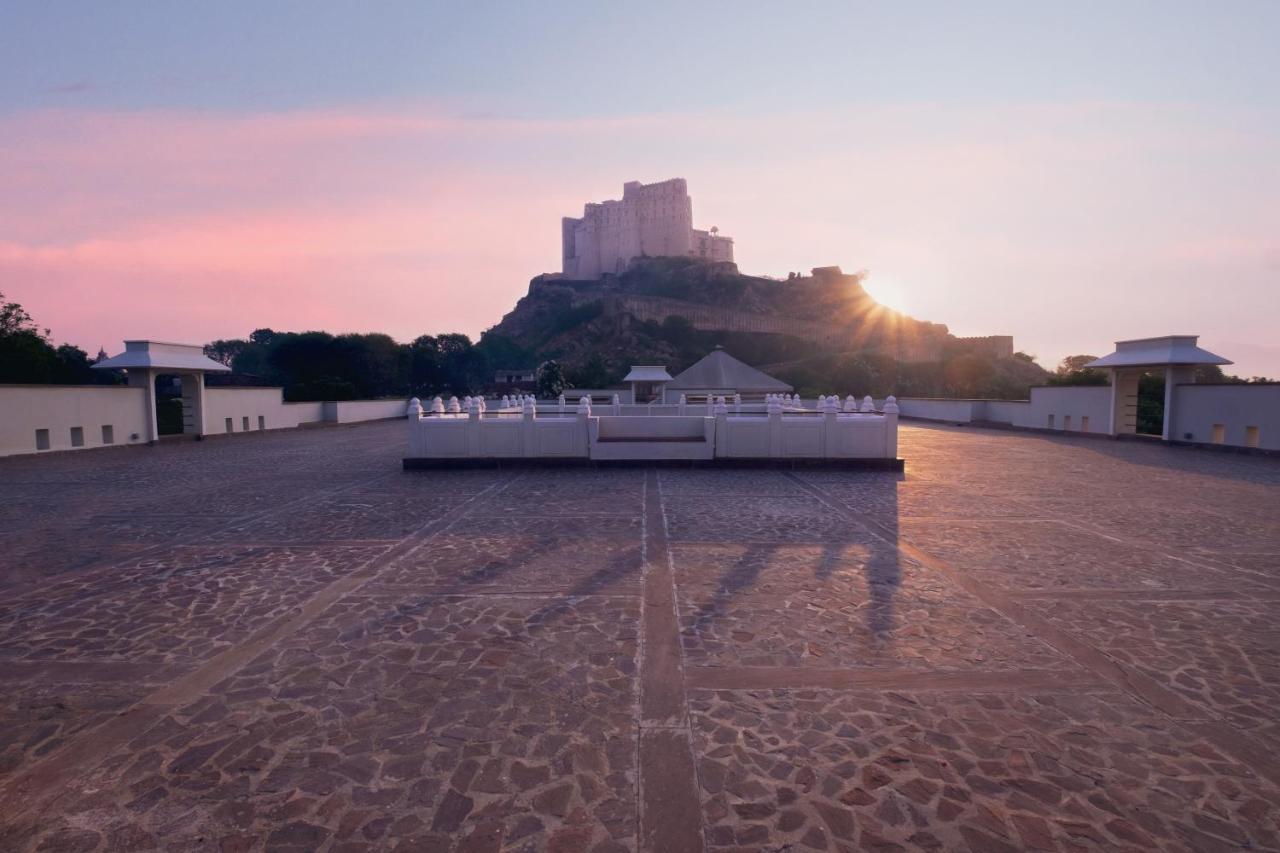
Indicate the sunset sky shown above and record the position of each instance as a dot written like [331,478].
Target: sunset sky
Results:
[1069,174]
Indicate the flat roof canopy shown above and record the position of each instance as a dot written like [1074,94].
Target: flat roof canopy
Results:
[1158,352]
[647,373]
[158,355]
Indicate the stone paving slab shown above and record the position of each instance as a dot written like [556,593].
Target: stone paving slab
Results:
[724,482]
[352,516]
[184,605]
[395,722]
[285,642]
[820,770]
[542,560]
[853,606]
[908,499]
[1183,527]
[1047,556]
[754,519]
[1222,656]
[46,704]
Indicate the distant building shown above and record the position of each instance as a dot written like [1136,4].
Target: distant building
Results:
[654,220]
[515,377]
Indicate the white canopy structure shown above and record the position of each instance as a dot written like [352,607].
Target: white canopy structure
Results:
[720,373]
[1158,352]
[1176,355]
[648,381]
[145,360]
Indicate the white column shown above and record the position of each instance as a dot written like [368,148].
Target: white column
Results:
[145,378]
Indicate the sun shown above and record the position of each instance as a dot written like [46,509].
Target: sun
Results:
[887,292]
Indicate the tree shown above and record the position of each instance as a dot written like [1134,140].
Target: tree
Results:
[1072,371]
[15,320]
[594,373]
[225,351]
[550,379]
[27,357]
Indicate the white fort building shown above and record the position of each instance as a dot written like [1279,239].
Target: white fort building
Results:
[654,220]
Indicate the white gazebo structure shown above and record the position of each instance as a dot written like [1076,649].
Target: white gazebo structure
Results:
[143,361]
[1176,355]
[718,373]
[648,382]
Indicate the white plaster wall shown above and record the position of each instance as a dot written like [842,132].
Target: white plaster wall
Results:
[1076,402]
[354,411]
[241,403]
[305,413]
[954,411]
[57,408]
[1197,408]
[1073,402]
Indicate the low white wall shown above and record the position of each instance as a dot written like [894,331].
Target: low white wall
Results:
[226,410]
[58,408]
[937,409]
[305,413]
[268,404]
[354,411]
[1070,408]
[1074,408]
[1199,408]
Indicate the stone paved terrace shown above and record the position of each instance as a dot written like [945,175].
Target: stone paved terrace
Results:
[284,642]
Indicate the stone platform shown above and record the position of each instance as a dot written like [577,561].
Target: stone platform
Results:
[285,642]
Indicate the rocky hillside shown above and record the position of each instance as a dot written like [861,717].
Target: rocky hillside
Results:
[672,311]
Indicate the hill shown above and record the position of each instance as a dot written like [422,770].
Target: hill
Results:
[810,330]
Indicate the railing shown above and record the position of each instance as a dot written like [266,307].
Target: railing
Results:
[780,429]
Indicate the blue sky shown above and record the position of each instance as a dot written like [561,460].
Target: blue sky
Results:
[1069,174]
[575,59]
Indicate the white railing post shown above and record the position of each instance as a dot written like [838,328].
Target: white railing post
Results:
[868,405]
[617,404]
[850,403]
[414,413]
[683,403]
[774,409]
[737,404]
[891,427]
[528,427]
[830,407]
[437,406]
[560,404]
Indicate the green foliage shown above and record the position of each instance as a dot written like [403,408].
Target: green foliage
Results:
[1151,404]
[1072,371]
[550,379]
[592,373]
[27,357]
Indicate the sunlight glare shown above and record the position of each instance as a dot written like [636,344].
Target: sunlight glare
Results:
[888,293]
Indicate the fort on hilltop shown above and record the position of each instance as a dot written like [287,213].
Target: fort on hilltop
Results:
[654,220]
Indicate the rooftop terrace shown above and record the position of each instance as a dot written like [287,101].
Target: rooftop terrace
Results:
[283,641]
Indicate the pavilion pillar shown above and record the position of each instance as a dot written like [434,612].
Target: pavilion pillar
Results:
[1124,401]
[193,408]
[145,378]
[1174,375]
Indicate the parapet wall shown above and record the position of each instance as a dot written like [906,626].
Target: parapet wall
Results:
[1066,408]
[40,418]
